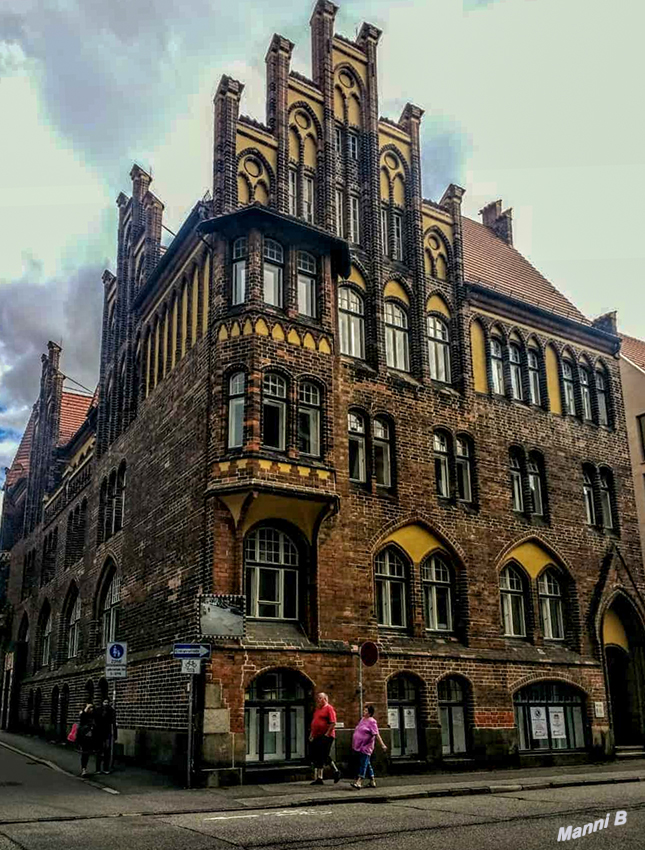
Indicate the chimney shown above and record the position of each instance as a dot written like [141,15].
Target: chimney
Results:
[607,322]
[501,223]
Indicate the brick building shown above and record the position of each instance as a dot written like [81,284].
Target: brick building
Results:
[368,414]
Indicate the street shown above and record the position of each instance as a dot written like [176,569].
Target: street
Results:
[42,808]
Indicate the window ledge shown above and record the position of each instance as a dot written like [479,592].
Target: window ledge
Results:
[445,389]
[402,377]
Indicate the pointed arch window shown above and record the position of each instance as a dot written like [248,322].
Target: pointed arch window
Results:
[585,393]
[606,487]
[512,598]
[534,376]
[274,411]
[236,402]
[73,628]
[309,404]
[441,446]
[497,365]
[240,256]
[357,454]
[438,592]
[382,453]
[271,564]
[601,396]
[535,473]
[438,349]
[515,364]
[588,493]
[550,596]
[397,345]
[45,649]
[110,611]
[273,273]
[517,488]
[464,469]
[569,388]
[391,588]
[351,320]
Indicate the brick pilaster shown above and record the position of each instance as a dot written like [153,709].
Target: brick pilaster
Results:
[227,109]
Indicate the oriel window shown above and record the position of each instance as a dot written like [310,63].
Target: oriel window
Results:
[236,399]
[306,284]
[273,273]
[309,419]
[274,411]
[240,255]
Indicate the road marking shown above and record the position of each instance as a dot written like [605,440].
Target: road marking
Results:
[286,813]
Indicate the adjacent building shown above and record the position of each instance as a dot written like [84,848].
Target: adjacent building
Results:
[369,416]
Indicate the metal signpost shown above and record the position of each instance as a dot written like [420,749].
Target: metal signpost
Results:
[116,667]
[191,655]
[368,654]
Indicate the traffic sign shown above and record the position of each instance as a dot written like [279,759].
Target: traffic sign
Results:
[191,665]
[192,650]
[116,660]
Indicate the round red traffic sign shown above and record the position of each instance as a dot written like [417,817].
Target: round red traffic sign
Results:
[369,653]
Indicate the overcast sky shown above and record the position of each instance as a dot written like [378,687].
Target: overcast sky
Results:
[536,102]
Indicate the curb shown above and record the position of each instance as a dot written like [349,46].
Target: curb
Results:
[53,766]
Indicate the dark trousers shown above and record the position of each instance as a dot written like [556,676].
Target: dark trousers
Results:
[104,754]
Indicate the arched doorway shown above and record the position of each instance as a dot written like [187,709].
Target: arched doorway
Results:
[403,716]
[623,640]
[275,717]
[453,696]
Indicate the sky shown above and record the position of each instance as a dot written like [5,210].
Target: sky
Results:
[536,102]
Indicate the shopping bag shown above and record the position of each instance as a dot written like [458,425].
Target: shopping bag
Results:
[73,733]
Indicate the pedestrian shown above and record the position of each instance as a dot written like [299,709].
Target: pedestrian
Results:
[322,734]
[365,734]
[106,735]
[86,735]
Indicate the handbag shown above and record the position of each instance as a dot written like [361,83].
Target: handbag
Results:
[73,733]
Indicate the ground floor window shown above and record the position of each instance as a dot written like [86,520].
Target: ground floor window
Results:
[275,718]
[550,716]
[453,716]
[403,716]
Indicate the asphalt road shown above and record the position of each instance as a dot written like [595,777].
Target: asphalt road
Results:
[58,812]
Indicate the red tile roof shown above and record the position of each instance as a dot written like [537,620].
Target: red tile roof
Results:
[74,409]
[20,465]
[490,261]
[633,349]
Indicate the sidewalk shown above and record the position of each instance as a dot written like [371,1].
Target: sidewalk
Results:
[147,791]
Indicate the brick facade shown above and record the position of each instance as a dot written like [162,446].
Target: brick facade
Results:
[172,502]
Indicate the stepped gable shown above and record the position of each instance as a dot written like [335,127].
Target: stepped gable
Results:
[20,465]
[633,349]
[492,262]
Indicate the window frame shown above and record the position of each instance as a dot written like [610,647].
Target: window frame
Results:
[239,269]
[515,370]
[275,263]
[602,397]
[350,322]
[496,352]
[438,338]
[354,219]
[606,498]
[309,198]
[507,594]
[340,214]
[534,370]
[353,146]
[73,628]
[464,461]
[517,481]
[307,279]
[313,411]
[569,388]
[584,374]
[382,441]
[236,400]
[110,607]
[441,452]
[397,232]
[279,402]
[588,492]
[285,571]
[384,580]
[535,480]
[385,236]
[397,336]
[430,585]
[293,192]
[550,600]
[358,435]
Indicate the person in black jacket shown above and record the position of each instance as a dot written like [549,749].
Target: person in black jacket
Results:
[86,735]
[106,736]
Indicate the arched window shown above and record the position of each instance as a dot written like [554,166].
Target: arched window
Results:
[271,569]
[588,476]
[535,471]
[602,397]
[273,273]
[306,284]
[517,486]
[274,411]
[438,349]
[512,597]
[119,506]
[274,717]
[391,583]
[357,454]
[463,463]
[585,392]
[606,493]
[441,446]
[240,256]
[351,321]
[534,376]
[110,610]
[569,388]
[382,453]
[309,419]
[550,716]
[73,628]
[550,596]
[403,716]
[497,365]
[236,399]
[46,638]
[397,352]
[515,364]
[438,601]
[452,716]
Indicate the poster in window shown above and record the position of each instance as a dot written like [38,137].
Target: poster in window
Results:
[556,719]
[410,718]
[393,718]
[539,729]
[274,721]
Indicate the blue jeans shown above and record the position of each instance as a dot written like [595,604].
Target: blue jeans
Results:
[364,765]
